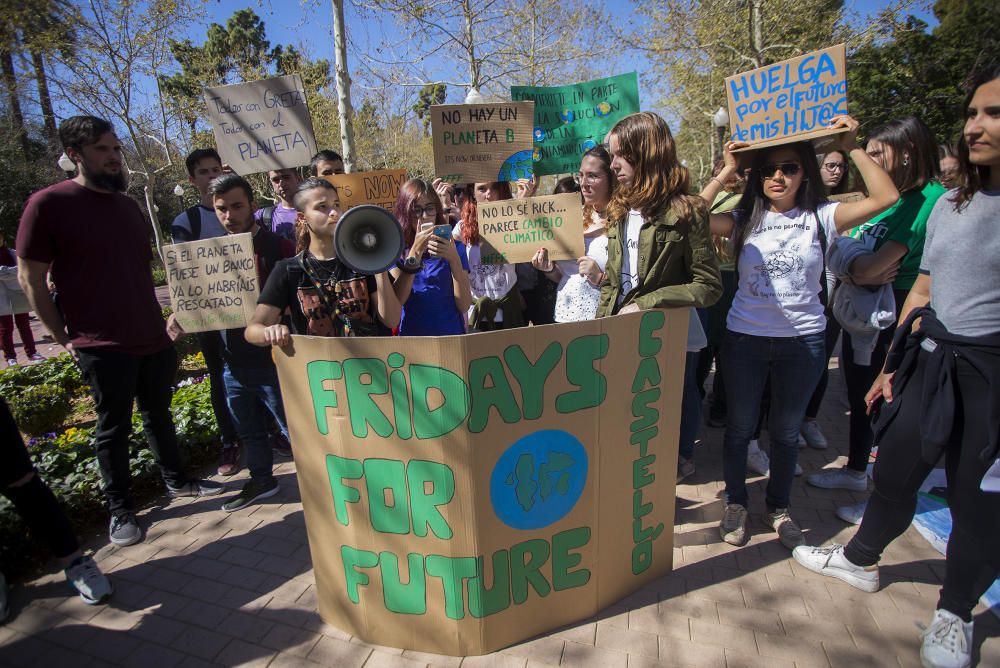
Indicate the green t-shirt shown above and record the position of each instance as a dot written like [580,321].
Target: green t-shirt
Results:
[904,222]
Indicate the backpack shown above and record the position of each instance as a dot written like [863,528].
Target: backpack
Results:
[267,218]
[194,222]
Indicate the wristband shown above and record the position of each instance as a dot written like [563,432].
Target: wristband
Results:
[716,179]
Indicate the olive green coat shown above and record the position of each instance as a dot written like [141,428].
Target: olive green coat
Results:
[676,268]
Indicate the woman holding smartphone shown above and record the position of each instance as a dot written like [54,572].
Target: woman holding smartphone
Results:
[432,281]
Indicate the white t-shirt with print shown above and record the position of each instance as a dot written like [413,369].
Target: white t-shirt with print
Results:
[630,258]
[780,268]
[576,297]
[487,280]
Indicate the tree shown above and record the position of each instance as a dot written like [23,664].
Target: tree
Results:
[913,71]
[493,43]
[430,94]
[694,45]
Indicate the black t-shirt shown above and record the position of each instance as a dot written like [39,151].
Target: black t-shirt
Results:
[345,307]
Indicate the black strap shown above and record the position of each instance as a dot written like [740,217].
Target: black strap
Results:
[267,217]
[722,201]
[824,298]
[194,220]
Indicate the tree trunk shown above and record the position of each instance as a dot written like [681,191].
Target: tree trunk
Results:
[45,100]
[470,46]
[154,220]
[10,83]
[344,109]
[756,33]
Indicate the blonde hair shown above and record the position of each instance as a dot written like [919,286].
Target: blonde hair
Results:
[660,181]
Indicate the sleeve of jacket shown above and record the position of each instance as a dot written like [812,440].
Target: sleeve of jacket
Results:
[705,287]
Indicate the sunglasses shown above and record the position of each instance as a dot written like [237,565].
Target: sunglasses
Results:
[787,168]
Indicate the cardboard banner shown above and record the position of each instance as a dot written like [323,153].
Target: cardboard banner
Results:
[213,282]
[482,142]
[380,188]
[463,493]
[571,120]
[512,230]
[793,100]
[262,125]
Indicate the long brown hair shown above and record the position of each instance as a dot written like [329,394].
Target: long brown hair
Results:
[914,161]
[974,175]
[660,181]
[409,193]
[470,217]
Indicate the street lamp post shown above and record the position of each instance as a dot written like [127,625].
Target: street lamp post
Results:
[66,165]
[179,194]
[720,119]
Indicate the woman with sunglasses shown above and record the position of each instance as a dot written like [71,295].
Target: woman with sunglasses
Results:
[775,328]
[905,148]
[432,282]
[580,280]
[938,396]
[496,302]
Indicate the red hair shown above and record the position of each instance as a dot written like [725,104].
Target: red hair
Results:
[470,218]
[409,193]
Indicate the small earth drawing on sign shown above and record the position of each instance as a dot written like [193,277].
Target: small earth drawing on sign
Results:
[567,116]
[518,166]
[588,144]
[539,479]
[603,109]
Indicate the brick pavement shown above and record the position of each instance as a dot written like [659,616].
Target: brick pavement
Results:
[210,588]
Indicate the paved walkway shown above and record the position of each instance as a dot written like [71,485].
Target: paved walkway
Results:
[210,588]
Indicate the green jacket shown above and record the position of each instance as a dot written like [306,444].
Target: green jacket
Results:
[675,268]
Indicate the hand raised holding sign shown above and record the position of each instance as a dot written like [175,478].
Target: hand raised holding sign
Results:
[848,140]
[541,261]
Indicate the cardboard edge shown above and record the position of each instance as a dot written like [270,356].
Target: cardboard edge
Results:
[817,137]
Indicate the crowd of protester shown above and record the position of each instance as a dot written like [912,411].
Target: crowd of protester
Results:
[891,248]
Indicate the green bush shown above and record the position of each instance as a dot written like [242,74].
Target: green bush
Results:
[60,371]
[159,272]
[39,409]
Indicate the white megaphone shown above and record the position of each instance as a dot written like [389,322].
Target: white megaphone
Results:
[368,239]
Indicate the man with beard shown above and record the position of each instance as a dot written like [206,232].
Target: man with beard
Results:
[249,373]
[281,217]
[96,242]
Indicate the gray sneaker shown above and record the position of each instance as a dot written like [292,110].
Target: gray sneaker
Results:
[124,529]
[789,532]
[685,468]
[852,514]
[88,580]
[254,490]
[842,478]
[196,488]
[733,527]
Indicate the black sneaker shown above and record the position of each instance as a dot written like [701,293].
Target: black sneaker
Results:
[196,488]
[4,607]
[252,491]
[280,444]
[124,529]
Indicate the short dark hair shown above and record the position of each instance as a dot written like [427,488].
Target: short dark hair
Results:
[307,185]
[325,154]
[223,184]
[79,131]
[197,156]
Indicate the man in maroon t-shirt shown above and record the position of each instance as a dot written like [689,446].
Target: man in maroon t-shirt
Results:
[96,243]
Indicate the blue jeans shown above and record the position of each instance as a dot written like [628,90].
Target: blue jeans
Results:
[794,365]
[248,390]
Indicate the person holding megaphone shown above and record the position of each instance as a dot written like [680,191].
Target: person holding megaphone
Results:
[324,295]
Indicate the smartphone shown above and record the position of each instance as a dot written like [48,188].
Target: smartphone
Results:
[440,231]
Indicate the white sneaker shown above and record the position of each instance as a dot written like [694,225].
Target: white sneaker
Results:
[88,581]
[830,560]
[947,642]
[757,460]
[842,478]
[812,436]
[852,514]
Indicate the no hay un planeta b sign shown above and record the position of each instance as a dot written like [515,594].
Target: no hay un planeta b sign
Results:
[464,493]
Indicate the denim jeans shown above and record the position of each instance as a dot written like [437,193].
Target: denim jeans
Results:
[794,365]
[211,348]
[117,379]
[248,390]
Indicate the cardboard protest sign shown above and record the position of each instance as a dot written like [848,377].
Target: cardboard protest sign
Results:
[262,125]
[213,282]
[482,142]
[464,493]
[571,120]
[379,188]
[512,230]
[793,100]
